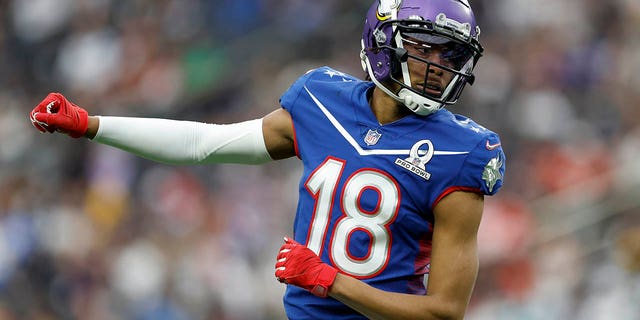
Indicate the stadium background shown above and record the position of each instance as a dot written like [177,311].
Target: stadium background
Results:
[89,232]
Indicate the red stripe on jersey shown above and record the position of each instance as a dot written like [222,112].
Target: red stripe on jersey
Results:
[421,264]
[451,190]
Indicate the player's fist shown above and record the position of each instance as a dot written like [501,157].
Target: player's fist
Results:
[299,266]
[56,113]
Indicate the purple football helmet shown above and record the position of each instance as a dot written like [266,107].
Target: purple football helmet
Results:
[399,31]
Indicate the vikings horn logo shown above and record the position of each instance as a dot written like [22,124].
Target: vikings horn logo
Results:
[386,7]
[491,173]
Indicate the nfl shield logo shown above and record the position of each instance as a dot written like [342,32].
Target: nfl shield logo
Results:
[372,137]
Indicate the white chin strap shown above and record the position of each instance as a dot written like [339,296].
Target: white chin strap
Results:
[417,103]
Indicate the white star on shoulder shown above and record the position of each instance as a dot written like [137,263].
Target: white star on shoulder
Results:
[332,73]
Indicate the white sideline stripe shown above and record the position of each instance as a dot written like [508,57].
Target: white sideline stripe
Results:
[357,147]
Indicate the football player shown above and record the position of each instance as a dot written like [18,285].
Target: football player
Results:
[393,183]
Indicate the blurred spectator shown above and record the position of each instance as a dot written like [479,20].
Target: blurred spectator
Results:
[87,232]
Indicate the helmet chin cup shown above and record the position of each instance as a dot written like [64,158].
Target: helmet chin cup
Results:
[417,103]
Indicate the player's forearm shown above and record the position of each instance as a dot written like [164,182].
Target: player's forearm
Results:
[182,142]
[379,304]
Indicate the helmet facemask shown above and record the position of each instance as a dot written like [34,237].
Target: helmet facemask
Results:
[441,55]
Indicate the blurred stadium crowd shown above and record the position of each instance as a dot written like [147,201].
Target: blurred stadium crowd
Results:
[90,232]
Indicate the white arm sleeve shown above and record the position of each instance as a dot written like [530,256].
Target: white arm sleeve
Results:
[185,142]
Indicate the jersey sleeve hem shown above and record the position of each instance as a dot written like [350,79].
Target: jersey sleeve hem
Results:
[454,189]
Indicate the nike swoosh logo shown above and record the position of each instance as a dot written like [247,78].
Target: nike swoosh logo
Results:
[491,146]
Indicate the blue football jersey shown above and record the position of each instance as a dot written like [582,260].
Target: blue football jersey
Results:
[368,190]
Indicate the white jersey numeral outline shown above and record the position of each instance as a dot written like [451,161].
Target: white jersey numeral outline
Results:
[322,184]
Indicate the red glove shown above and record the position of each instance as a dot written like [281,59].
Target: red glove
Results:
[56,113]
[299,266]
